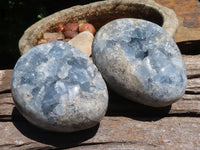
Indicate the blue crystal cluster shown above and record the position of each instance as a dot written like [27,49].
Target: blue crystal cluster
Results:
[140,61]
[58,88]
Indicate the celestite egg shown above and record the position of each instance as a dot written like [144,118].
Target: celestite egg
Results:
[140,61]
[58,88]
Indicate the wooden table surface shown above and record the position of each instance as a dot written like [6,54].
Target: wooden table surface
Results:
[127,125]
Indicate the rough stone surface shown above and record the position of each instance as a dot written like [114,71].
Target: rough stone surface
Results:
[140,61]
[147,9]
[58,88]
[83,42]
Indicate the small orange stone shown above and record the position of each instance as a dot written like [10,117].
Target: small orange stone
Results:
[71,27]
[87,27]
[70,34]
[60,28]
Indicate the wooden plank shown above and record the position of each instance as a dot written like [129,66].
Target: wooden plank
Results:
[117,107]
[5,80]
[188,14]
[113,132]
[192,63]
[189,9]
[127,125]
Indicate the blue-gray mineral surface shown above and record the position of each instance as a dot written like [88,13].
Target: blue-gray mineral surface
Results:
[140,61]
[58,88]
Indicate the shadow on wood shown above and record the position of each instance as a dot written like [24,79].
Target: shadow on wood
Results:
[189,47]
[60,140]
[119,106]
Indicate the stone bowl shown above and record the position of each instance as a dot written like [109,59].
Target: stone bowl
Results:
[100,13]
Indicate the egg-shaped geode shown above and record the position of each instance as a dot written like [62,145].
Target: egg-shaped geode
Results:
[140,61]
[58,88]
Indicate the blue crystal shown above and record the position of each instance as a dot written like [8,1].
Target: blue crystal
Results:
[58,88]
[140,61]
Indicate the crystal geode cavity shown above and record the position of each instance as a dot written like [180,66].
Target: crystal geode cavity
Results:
[140,61]
[58,88]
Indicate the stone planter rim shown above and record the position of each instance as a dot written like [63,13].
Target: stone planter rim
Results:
[28,39]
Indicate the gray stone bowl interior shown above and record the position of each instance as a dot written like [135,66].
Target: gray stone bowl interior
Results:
[100,13]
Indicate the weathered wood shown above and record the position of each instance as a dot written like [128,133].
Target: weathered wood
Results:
[127,125]
[5,80]
[192,63]
[113,132]
[117,107]
[188,13]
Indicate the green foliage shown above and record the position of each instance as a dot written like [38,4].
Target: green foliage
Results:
[42,13]
[13,3]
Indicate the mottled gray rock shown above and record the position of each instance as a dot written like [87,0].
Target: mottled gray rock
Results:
[140,61]
[58,88]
